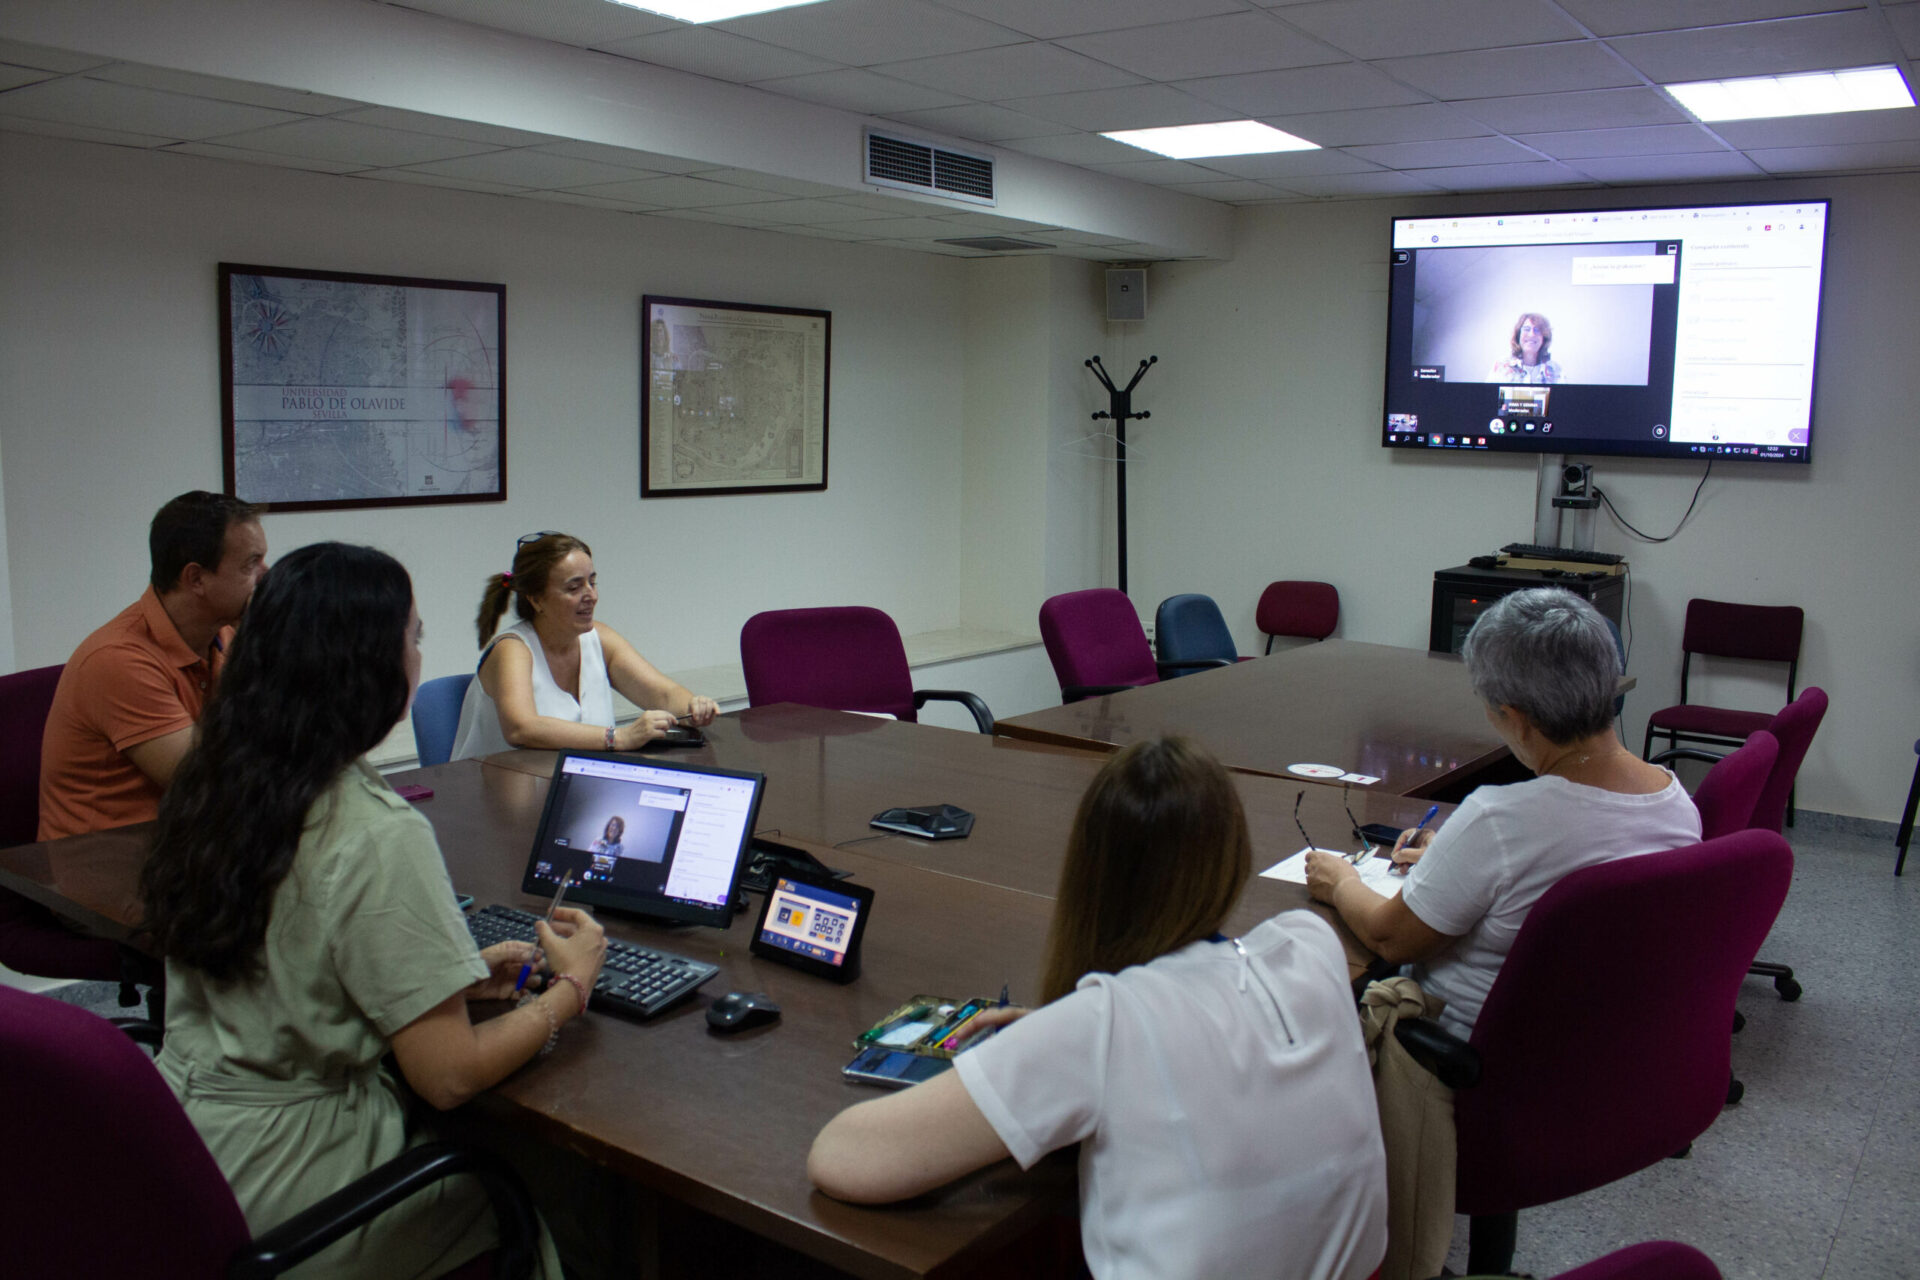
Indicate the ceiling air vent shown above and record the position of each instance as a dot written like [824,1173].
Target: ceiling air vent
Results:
[917,166]
[996,244]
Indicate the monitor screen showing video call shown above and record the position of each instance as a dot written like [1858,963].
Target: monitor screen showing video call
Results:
[1673,332]
[654,838]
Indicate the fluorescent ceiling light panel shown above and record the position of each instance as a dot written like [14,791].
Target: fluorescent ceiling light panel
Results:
[711,10]
[1229,138]
[1812,93]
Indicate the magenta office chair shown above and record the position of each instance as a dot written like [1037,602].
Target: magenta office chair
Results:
[1559,1095]
[847,658]
[1658,1260]
[1727,795]
[119,1183]
[1309,610]
[1096,644]
[31,940]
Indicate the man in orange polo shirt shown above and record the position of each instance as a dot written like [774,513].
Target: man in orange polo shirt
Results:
[124,712]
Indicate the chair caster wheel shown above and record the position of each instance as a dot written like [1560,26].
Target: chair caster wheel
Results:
[1789,989]
[1735,1091]
[1739,1021]
[1682,1153]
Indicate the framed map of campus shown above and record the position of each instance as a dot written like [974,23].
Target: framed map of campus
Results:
[735,399]
[344,390]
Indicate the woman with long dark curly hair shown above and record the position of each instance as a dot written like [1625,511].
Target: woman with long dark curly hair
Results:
[309,925]
[1217,1086]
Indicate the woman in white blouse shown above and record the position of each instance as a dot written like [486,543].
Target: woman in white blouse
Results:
[1217,1086]
[553,686]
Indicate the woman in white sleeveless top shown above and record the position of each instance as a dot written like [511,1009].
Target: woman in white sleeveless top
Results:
[548,680]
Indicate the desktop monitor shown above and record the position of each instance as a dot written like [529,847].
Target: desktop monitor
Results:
[1662,332]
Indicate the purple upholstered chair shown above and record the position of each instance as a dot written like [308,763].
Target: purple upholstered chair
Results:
[1727,795]
[31,941]
[1762,633]
[1603,1047]
[845,659]
[1096,644]
[118,1183]
[1659,1260]
[1309,610]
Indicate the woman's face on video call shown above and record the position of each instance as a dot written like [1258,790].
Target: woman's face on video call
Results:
[1529,340]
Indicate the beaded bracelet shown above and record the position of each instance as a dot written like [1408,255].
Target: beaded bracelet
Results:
[578,987]
[609,738]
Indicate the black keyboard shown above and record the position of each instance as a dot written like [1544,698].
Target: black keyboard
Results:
[634,980]
[1534,551]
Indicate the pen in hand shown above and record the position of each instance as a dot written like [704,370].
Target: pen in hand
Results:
[1413,835]
[526,970]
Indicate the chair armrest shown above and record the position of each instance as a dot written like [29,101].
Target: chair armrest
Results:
[1177,665]
[140,1031]
[362,1200]
[1075,692]
[1688,753]
[1455,1062]
[982,717]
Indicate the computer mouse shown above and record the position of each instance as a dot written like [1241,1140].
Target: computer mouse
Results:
[738,1010]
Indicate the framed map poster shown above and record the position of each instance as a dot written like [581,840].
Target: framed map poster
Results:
[341,390]
[736,397]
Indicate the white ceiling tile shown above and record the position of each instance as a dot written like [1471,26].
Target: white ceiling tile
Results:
[1282,166]
[1445,153]
[540,170]
[623,156]
[1820,131]
[1050,18]
[1076,148]
[722,55]
[1229,44]
[12,77]
[1381,182]
[892,206]
[1820,42]
[223,90]
[1143,106]
[856,90]
[1534,68]
[1645,140]
[580,22]
[848,231]
[991,222]
[444,127]
[863,32]
[981,122]
[413,178]
[1400,28]
[590,202]
[822,212]
[1702,166]
[795,187]
[41,58]
[1496,177]
[1348,85]
[240,155]
[904,228]
[677,191]
[1158,173]
[1586,109]
[1009,71]
[1864,155]
[1905,21]
[81,133]
[1227,192]
[345,141]
[1088,238]
[100,104]
[1380,124]
[1625,17]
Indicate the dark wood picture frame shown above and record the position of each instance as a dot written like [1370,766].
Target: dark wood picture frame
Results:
[344,367]
[679,372]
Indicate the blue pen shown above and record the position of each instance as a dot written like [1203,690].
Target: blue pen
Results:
[526,970]
[1403,867]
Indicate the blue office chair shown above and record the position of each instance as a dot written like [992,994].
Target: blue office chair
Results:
[1190,627]
[436,714]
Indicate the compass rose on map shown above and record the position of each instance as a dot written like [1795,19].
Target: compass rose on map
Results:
[267,326]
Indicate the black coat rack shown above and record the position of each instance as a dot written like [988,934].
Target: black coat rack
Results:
[1121,409]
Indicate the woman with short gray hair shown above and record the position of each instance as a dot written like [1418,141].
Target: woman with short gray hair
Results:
[1544,663]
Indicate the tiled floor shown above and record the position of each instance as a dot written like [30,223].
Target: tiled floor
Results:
[1816,1173]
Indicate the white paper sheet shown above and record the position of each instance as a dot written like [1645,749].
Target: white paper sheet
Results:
[1376,873]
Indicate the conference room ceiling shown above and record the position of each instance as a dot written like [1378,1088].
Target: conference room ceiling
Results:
[1405,97]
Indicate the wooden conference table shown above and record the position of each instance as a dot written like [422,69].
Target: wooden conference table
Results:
[1405,716]
[724,1124]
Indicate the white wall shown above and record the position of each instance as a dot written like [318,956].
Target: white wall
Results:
[108,354]
[1262,462]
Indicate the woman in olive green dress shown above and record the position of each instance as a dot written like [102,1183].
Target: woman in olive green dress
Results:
[309,926]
